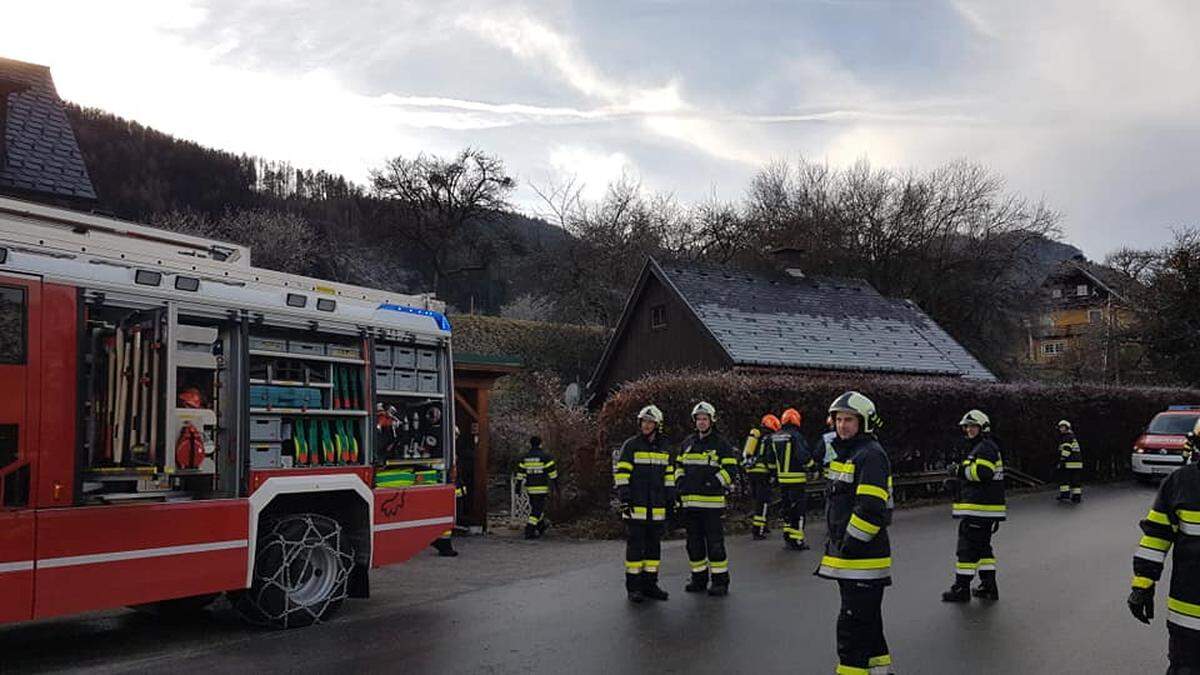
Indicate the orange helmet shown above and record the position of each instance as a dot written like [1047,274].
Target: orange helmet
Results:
[771,422]
[191,398]
[791,416]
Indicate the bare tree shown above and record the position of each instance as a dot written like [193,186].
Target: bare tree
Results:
[440,205]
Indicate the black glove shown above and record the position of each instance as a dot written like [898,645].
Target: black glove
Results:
[952,470]
[1141,604]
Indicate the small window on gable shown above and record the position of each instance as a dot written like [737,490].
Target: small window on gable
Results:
[1095,315]
[658,317]
[1081,290]
[1056,293]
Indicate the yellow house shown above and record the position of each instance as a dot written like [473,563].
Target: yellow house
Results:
[1081,307]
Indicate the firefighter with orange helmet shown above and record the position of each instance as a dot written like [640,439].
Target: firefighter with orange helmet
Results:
[793,460]
[760,467]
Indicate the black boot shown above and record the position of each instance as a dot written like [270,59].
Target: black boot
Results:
[720,585]
[987,589]
[1075,498]
[633,588]
[542,526]
[698,584]
[959,592]
[758,534]
[530,532]
[444,547]
[650,587]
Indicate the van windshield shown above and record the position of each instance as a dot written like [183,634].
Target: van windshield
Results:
[1177,425]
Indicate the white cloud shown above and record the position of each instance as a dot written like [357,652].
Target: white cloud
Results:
[591,169]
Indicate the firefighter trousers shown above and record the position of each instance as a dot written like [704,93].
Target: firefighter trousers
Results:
[975,554]
[861,647]
[760,492]
[1183,649]
[1070,484]
[794,505]
[706,545]
[537,509]
[643,552]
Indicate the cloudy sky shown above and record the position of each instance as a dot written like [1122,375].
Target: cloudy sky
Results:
[1092,105]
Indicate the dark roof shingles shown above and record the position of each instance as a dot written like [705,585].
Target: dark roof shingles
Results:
[819,323]
[42,152]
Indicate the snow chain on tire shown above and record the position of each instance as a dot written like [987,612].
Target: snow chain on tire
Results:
[301,569]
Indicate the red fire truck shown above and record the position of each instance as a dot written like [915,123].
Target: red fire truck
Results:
[176,424]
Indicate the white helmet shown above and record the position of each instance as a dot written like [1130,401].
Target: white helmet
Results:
[1064,423]
[652,413]
[856,404]
[704,408]
[976,418]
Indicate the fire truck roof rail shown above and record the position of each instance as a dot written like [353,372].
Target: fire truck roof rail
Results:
[59,232]
[81,225]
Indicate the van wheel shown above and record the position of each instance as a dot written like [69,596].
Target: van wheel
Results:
[301,570]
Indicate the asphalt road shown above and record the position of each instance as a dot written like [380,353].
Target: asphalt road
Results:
[508,606]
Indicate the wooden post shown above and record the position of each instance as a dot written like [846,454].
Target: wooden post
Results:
[482,450]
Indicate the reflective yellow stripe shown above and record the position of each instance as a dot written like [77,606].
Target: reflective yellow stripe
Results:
[990,465]
[856,564]
[1155,543]
[885,660]
[625,465]
[1158,517]
[633,566]
[1143,582]
[717,499]
[851,670]
[863,525]
[842,467]
[998,508]
[873,491]
[1185,608]
[1073,465]
[1187,516]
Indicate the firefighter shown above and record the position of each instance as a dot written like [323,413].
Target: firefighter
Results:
[1070,464]
[537,474]
[444,545]
[826,444]
[704,472]
[760,466]
[979,510]
[793,461]
[645,480]
[858,554]
[1174,520]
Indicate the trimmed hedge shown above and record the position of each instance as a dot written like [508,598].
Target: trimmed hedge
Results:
[920,415]
[570,351]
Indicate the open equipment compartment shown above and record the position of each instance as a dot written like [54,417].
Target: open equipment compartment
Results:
[307,399]
[157,406]
[413,434]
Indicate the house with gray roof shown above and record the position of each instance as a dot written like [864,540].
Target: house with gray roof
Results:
[39,156]
[687,315]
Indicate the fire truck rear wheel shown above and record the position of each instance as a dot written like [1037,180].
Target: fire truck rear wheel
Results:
[301,568]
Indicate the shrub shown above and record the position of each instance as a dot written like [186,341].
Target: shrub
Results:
[920,415]
[531,404]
